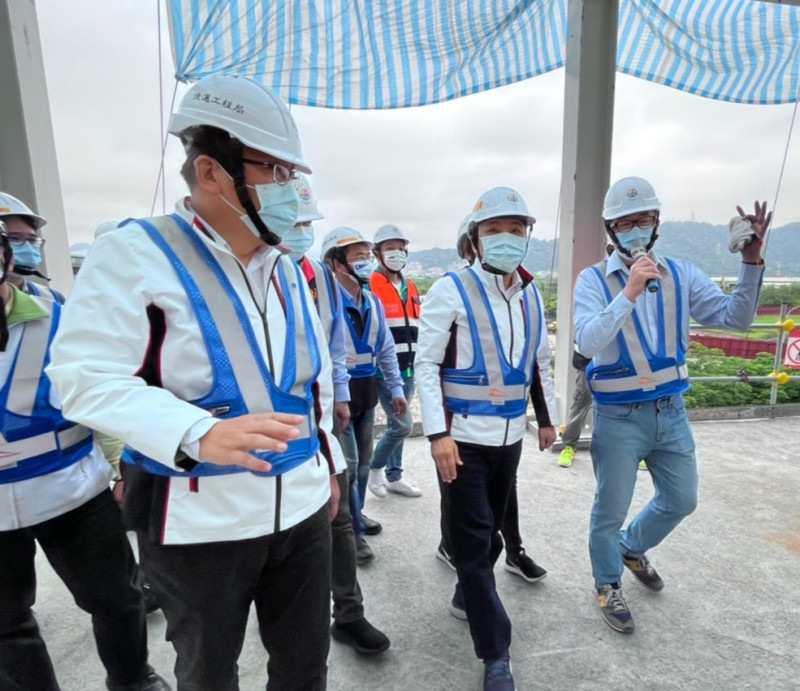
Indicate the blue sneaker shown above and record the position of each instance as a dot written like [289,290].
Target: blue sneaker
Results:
[497,675]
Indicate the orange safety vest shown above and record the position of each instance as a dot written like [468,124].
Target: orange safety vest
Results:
[402,318]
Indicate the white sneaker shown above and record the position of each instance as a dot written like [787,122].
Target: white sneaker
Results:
[404,487]
[376,483]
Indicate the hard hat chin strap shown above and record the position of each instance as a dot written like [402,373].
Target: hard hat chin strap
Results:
[7,256]
[623,250]
[244,198]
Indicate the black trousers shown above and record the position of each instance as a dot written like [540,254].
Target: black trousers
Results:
[477,501]
[509,529]
[348,602]
[206,591]
[89,550]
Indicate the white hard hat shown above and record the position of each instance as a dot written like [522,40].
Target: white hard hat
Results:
[341,237]
[498,202]
[629,196]
[246,110]
[78,252]
[105,227]
[463,227]
[307,211]
[389,232]
[11,206]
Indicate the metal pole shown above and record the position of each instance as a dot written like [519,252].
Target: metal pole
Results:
[773,394]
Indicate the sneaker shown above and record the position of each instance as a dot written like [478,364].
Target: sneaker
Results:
[362,636]
[643,465]
[376,483]
[497,675]
[614,608]
[523,566]
[456,606]
[364,553]
[445,556]
[644,572]
[370,527]
[404,487]
[566,456]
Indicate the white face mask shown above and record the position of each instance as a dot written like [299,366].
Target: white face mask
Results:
[299,241]
[395,260]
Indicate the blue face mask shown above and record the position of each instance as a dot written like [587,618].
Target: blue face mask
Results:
[634,237]
[299,241]
[504,251]
[363,269]
[25,254]
[278,207]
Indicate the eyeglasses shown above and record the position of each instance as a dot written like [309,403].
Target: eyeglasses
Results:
[645,223]
[19,240]
[281,174]
[361,257]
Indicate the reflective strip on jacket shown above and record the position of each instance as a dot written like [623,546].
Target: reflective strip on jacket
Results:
[641,374]
[362,351]
[242,382]
[36,439]
[491,385]
[402,317]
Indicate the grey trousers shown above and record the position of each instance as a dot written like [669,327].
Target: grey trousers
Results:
[581,404]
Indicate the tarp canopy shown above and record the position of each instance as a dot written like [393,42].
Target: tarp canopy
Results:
[400,53]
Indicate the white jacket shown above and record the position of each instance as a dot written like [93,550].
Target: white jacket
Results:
[29,502]
[103,343]
[443,307]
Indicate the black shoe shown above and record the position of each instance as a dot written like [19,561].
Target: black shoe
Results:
[364,553]
[445,556]
[152,682]
[523,566]
[362,636]
[456,606]
[150,602]
[370,527]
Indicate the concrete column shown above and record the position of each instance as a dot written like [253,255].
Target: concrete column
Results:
[28,166]
[586,162]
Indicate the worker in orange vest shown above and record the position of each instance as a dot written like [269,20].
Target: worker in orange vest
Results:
[401,304]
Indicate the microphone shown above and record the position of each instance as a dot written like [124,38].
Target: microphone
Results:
[637,251]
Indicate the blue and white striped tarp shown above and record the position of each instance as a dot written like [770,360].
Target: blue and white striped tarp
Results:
[401,53]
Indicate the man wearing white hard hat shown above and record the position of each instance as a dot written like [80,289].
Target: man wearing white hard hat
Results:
[632,316]
[517,560]
[348,254]
[350,626]
[54,493]
[24,233]
[400,300]
[181,338]
[483,352]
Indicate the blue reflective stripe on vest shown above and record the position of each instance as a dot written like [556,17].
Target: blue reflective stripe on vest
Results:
[475,390]
[59,443]
[363,350]
[225,397]
[663,372]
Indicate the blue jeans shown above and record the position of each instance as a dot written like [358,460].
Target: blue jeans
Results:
[658,431]
[389,450]
[356,442]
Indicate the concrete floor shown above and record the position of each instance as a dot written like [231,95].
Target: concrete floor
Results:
[728,619]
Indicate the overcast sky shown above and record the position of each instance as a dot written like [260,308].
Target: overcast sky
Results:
[421,168]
